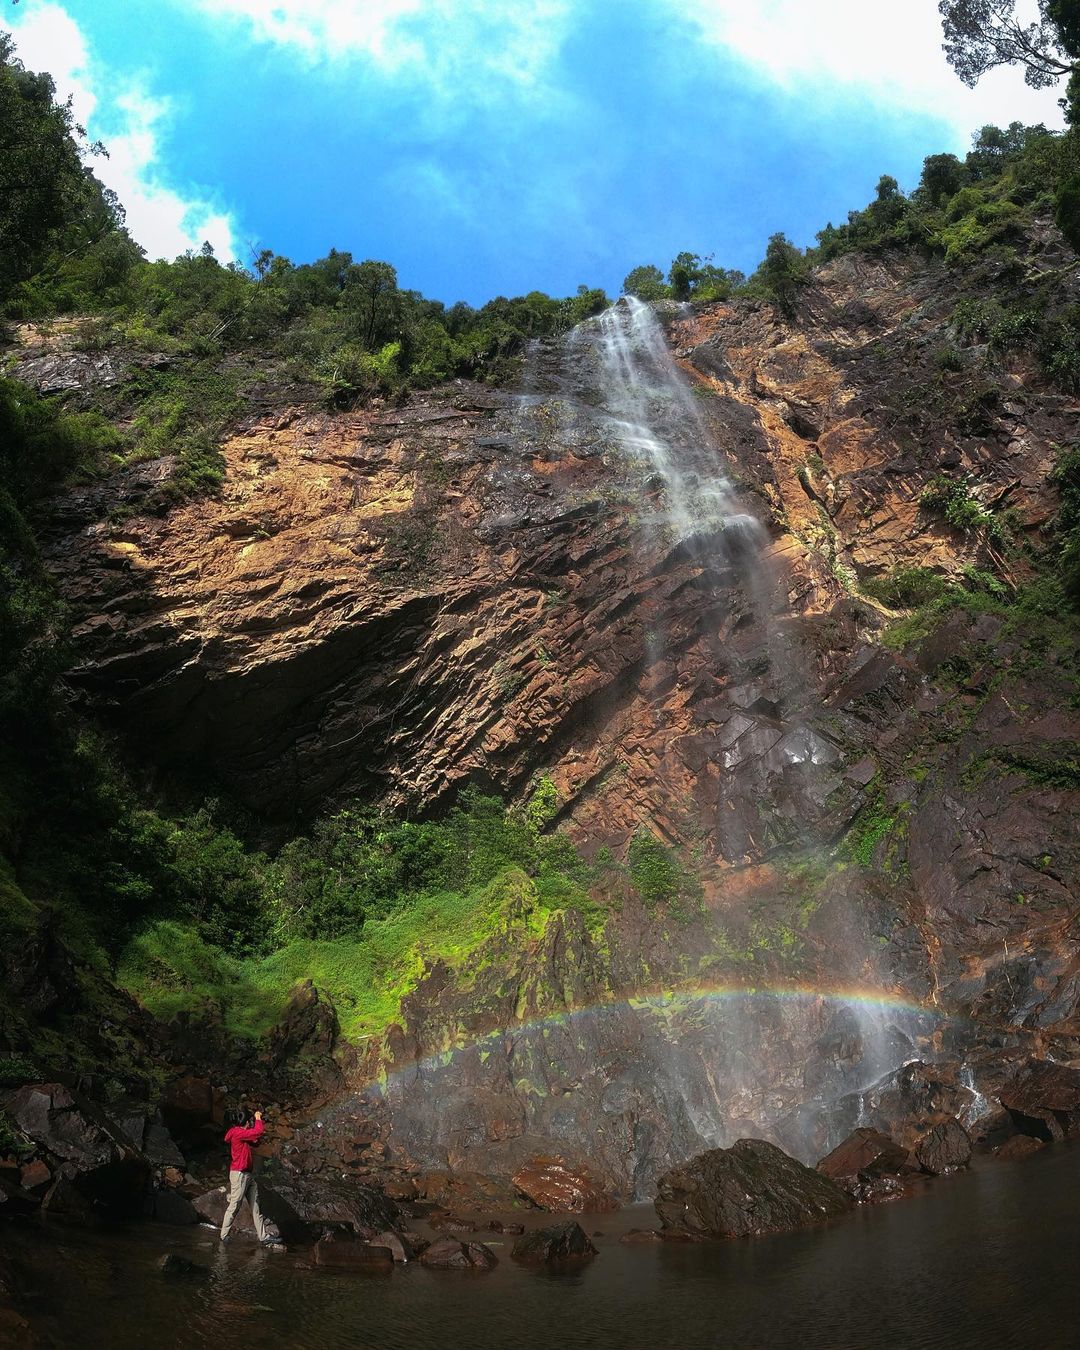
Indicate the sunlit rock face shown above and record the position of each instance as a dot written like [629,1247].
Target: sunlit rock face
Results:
[638,574]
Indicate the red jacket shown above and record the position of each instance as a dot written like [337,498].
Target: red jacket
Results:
[240,1141]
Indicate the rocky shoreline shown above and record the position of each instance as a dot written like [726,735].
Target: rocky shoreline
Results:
[68,1159]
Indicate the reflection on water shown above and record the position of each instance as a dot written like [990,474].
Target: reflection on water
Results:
[983,1259]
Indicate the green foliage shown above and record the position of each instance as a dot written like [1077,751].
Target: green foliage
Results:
[659,878]
[781,275]
[906,587]
[15,1070]
[647,283]
[1066,478]
[1067,210]
[951,499]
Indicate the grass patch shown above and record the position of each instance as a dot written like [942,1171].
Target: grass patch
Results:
[171,969]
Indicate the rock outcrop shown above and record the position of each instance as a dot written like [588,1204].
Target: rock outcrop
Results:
[751,1188]
[557,1243]
[397,600]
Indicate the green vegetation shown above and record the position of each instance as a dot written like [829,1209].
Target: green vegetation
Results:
[952,500]
[906,587]
[659,877]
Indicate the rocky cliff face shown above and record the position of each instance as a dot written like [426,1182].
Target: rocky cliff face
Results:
[398,600]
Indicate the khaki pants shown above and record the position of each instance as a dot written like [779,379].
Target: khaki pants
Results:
[242,1187]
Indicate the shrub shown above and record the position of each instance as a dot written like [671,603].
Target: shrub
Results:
[906,587]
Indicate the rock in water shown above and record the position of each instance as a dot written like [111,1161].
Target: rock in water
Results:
[554,1184]
[559,1242]
[174,1265]
[1044,1100]
[447,1253]
[752,1187]
[866,1166]
[352,1254]
[944,1149]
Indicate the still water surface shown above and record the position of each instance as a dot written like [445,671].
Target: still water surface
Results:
[989,1258]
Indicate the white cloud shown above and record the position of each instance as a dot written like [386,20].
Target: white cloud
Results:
[471,49]
[886,52]
[163,219]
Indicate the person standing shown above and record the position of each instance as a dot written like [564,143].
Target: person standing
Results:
[246,1130]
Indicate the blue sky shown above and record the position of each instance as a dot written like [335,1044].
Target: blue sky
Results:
[492,147]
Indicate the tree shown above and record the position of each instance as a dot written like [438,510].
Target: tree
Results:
[942,177]
[983,34]
[647,283]
[781,273]
[43,184]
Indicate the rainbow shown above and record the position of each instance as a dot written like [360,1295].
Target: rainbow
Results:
[664,1003]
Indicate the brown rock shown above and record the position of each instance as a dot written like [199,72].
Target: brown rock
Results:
[34,1175]
[944,1149]
[1044,1100]
[553,1184]
[448,1253]
[1020,1146]
[865,1151]
[396,1244]
[752,1187]
[352,1254]
[640,1237]
[559,1242]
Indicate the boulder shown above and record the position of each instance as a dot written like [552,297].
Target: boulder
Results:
[34,1176]
[173,1265]
[316,1202]
[1043,1099]
[1020,1146]
[865,1151]
[447,1253]
[467,1190]
[501,1226]
[559,1242]
[168,1206]
[552,1183]
[397,1245]
[866,1166]
[97,1158]
[350,1253]
[752,1187]
[945,1148]
[638,1237]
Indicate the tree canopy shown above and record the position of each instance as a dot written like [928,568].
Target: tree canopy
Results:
[983,34]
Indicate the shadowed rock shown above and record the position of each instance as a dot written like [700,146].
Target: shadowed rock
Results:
[559,1242]
[866,1165]
[1044,1100]
[447,1253]
[752,1187]
[352,1254]
[944,1149]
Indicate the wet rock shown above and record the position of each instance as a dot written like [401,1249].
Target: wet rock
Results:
[444,1222]
[752,1187]
[944,1149]
[501,1226]
[34,1176]
[640,1237]
[174,1265]
[167,1206]
[1043,1100]
[396,1244]
[466,1190]
[353,1254]
[867,1165]
[316,1201]
[97,1160]
[448,1253]
[551,1183]
[1019,1146]
[559,1242]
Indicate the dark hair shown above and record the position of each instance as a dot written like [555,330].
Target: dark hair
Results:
[239,1115]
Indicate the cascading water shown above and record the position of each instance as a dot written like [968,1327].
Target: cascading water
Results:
[612,1070]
